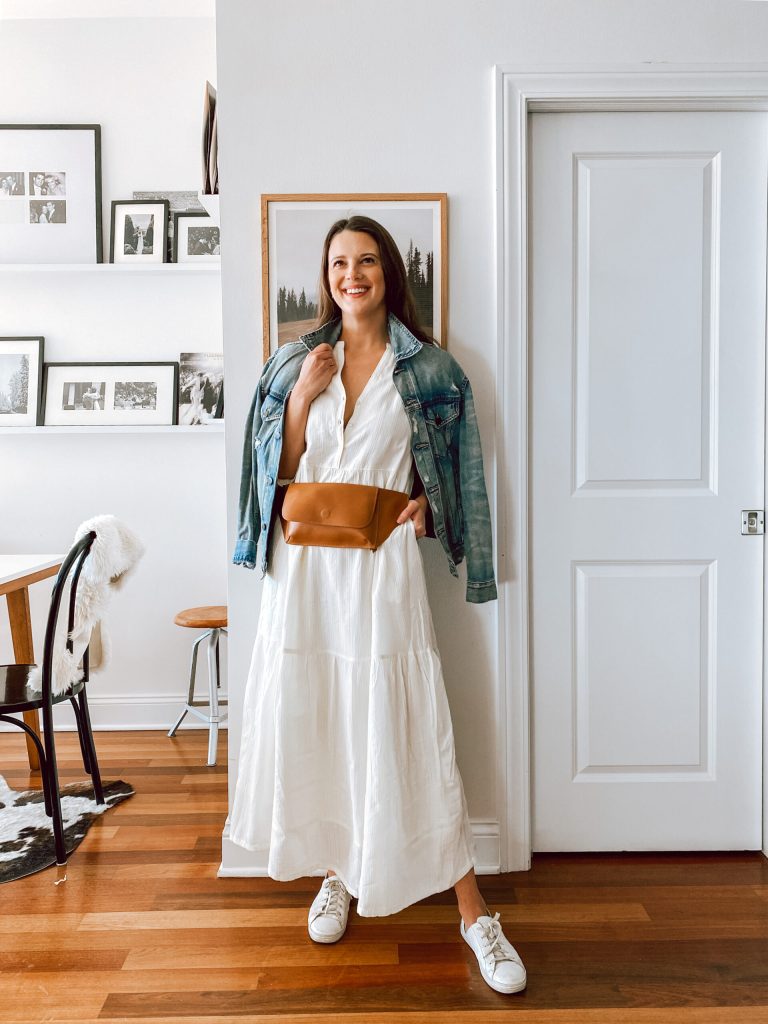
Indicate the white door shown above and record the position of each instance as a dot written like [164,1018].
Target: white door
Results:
[648,277]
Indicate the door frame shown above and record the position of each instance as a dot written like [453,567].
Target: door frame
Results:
[519,92]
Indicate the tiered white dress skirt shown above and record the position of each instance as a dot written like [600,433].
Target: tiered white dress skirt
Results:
[347,756]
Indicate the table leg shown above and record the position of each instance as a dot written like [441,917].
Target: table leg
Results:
[21,634]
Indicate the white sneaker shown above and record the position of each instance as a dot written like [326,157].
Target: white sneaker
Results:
[500,963]
[328,913]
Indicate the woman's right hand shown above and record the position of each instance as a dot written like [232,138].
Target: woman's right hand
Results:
[317,371]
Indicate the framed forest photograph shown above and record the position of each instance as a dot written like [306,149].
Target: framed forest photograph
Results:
[21,378]
[293,228]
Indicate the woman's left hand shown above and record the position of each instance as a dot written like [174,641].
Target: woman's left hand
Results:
[416,509]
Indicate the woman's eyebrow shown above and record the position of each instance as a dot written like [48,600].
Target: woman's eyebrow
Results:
[342,256]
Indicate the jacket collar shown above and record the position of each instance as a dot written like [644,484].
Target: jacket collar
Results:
[403,343]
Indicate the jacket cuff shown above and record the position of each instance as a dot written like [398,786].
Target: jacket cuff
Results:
[479,593]
[245,554]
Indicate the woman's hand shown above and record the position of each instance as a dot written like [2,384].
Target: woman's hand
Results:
[416,509]
[316,374]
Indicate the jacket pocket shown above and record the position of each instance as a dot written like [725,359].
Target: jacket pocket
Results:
[441,416]
[272,407]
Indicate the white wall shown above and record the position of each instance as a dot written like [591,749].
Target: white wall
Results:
[142,80]
[397,97]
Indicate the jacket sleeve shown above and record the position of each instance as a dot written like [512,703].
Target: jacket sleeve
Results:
[478,540]
[248,511]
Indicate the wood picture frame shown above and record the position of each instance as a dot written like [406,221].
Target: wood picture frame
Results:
[294,226]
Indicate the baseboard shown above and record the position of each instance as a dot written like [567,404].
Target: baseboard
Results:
[237,862]
[122,714]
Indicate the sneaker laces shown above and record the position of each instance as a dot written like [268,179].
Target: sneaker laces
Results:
[495,943]
[334,897]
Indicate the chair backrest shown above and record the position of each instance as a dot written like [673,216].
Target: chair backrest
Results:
[70,571]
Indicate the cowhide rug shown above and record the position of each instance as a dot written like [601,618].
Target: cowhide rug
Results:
[26,832]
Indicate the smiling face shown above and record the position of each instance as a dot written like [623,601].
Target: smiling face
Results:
[355,273]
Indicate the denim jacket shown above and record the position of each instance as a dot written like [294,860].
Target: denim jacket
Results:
[445,444]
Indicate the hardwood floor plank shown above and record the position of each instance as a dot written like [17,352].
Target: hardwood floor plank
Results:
[565,991]
[96,961]
[309,954]
[686,1015]
[254,918]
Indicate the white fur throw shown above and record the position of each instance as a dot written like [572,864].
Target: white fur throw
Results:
[113,557]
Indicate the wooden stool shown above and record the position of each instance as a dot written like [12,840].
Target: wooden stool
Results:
[213,619]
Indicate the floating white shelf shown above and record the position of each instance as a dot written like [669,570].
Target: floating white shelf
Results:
[211,428]
[111,268]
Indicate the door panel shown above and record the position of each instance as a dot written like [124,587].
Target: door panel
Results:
[647,408]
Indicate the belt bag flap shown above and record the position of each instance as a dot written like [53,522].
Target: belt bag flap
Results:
[331,504]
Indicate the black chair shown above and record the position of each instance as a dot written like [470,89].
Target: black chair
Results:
[17,695]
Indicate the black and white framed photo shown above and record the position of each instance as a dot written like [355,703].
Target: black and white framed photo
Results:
[196,238]
[293,228]
[138,231]
[110,394]
[21,378]
[201,388]
[50,193]
[177,200]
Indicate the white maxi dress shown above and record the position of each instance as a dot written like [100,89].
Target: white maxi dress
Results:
[347,757]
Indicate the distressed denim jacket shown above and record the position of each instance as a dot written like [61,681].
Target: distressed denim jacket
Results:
[445,443]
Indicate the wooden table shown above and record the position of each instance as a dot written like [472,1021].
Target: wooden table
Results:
[17,574]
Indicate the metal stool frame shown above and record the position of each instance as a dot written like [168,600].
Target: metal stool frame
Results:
[214,704]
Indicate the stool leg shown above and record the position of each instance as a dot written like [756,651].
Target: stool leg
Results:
[213,683]
[192,674]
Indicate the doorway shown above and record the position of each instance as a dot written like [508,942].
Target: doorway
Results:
[631,629]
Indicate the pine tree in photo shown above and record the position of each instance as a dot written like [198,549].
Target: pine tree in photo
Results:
[19,386]
[129,234]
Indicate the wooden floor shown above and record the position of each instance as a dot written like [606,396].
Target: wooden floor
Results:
[144,931]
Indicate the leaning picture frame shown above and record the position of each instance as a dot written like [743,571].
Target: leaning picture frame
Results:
[50,193]
[111,394]
[293,228]
[177,200]
[138,231]
[196,237]
[21,381]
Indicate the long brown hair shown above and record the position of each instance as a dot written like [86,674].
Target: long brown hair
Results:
[397,293]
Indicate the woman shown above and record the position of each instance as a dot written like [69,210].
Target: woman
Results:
[347,759]
[194,412]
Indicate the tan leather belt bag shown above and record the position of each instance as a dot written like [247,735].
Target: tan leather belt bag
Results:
[340,515]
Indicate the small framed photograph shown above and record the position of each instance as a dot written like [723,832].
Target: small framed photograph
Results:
[138,231]
[110,394]
[51,176]
[201,388]
[293,229]
[178,200]
[21,379]
[196,238]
